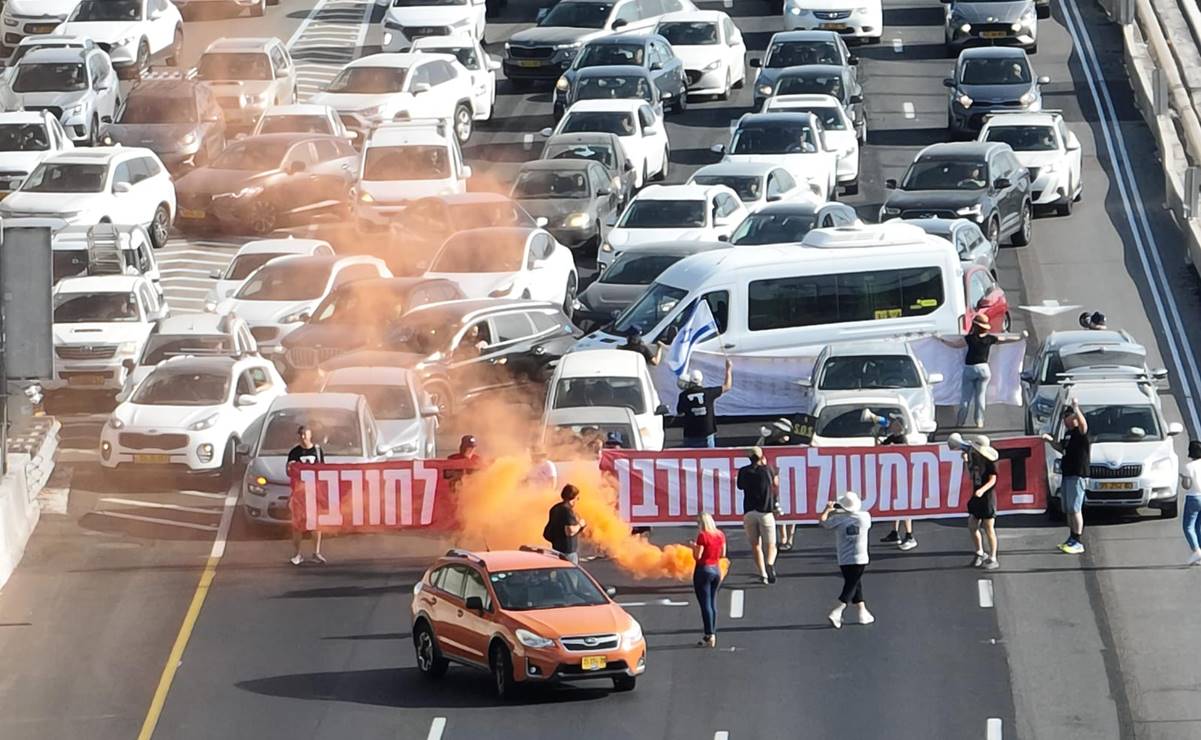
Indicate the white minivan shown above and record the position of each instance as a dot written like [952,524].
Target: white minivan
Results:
[610,378]
[867,281]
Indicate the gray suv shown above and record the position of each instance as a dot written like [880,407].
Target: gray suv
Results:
[990,23]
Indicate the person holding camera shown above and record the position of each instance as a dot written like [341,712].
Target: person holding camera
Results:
[758,483]
[850,524]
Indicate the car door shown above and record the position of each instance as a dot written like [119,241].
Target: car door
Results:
[606,197]
[424,104]
[104,84]
[281,68]
[518,338]
[625,17]
[331,174]
[974,290]
[212,122]
[735,49]
[161,24]
[1008,197]
[143,189]
[475,629]
[673,65]
[124,207]
[445,607]
[725,215]
[538,276]
[654,139]
[1071,147]
[298,190]
[255,406]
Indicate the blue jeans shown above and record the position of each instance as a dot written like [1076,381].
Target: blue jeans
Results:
[706,579]
[1192,522]
[972,394]
[694,442]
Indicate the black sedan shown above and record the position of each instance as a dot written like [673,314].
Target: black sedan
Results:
[651,52]
[601,147]
[179,120]
[577,198]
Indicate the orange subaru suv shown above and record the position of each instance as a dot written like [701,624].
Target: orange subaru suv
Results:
[527,616]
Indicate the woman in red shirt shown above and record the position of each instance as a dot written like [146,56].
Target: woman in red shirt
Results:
[708,550]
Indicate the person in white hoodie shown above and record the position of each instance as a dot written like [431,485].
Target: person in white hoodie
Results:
[1190,479]
[851,524]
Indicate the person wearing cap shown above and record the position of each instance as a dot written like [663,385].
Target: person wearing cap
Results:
[1076,448]
[634,343]
[850,524]
[1094,320]
[981,460]
[615,441]
[695,407]
[894,434]
[469,454]
[563,525]
[758,483]
[1190,480]
[976,373]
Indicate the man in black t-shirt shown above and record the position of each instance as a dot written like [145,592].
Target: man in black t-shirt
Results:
[306,452]
[634,343]
[563,526]
[893,433]
[758,483]
[695,407]
[1074,468]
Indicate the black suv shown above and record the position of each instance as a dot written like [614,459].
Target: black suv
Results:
[980,181]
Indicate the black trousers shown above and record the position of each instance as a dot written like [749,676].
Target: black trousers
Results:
[852,584]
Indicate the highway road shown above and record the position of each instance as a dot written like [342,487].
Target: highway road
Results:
[1046,647]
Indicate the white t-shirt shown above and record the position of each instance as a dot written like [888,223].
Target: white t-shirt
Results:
[1192,471]
[851,530]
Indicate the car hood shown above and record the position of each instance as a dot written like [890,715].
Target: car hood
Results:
[55,98]
[934,199]
[158,137]
[575,620]
[232,88]
[210,180]
[991,12]
[1114,454]
[799,165]
[21,161]
[50,203]
[545,35]
[985,94]
[553,208]
[395,432]
[349,102]
[623,238]
[160,418]
[41,8]
[695,57]
[100,31]
[425,16]
[264,312]
[99,332]
[608,297]
[1038,159]
[398,191]
[477,284]
[334,336]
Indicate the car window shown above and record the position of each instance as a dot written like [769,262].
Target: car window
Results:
[326,149]
[510,327]
[726,204]
[627,12]
[976,288]
[123,173]
[646,116]
[439,72]
[137,171]
[351,273]
[245,384]
[279,62]
[474,586]
[452,580]
[420,74]
[259,378]
[540,248]
[302,152]
[544,322]
[727,27]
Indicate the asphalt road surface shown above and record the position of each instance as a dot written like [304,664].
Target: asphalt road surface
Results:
[1049,646]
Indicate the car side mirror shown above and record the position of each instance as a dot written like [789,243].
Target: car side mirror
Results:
[891,183]
[242,450]
[1027,376]
[154,15]
[1175,428]
[1160,373]
[934,378]
[421,87]
[493,64]
[541,222]
[546,132]
[245,399]
[852,60]
[662,410]
[718,148]
[756,63]
[627,166]
[650,130]
[215,274]
[611,591]
[467,171]
[855,99]
[948,82]
[541,16]
[429,410]
[474,604]
[100,87]
[604,191]
[121,187]
[106,119]
[128,364]
[723,237]
[619,23]
[656,66]
[1072,143]
[1044,80]
[296,168]
[1001,183]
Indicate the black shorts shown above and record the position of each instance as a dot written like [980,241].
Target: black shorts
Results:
[983,507]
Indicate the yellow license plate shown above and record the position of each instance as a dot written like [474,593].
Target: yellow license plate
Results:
[593,663]
[993,34]
[832,26]
[191,213]
[529,63]
[152,459]
[1114,486]
[86,380]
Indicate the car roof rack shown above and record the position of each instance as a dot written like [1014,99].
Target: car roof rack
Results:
[437,124]
[104,250]
[458,552]
[1003,113]
[544,551]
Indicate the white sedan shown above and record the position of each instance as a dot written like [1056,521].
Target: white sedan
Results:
[711,47]
[1044,145]
[837,127]
[756,183]
[636,123]
[253,255]
[508,262]
[190,412]
[480,67]
[664,213]
[795,141]
[406,419]
[856,19]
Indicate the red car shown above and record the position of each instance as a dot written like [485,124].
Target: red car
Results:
[984,296]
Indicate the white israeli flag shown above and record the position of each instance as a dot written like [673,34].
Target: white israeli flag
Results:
[699,327]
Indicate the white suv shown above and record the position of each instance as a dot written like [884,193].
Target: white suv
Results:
[23,18]
[399,87]
[27,138]
[480,67]
[122,185]
[664,213]
[133,32]
[403,162]
[405,21]
[78,85]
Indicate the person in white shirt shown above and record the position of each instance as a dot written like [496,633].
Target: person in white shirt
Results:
[1190,480]
[851,524]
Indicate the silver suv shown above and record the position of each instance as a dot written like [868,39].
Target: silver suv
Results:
[79,86]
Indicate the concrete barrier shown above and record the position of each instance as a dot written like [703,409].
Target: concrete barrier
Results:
[19,510]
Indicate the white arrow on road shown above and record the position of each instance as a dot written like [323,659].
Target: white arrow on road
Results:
[1050,307]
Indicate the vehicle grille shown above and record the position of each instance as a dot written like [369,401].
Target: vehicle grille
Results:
[566,669]
[264,333]
[1104,471]
[415,32]
[1033,172]
[86,352]
[831,15]
[106,48]
[531,52]
[586,643]
[694,76]
[37,29]
[928,213]
[303,358]
[53,110]
[136,441]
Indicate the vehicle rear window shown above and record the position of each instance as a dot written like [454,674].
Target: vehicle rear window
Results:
[409,162]
[81,308]
[387,402]
[689,33]
[857,373]
[606,122]
[604,155]
[335,430]
[155,109]
[572,393]
[799,53]
[23,137]
[748,187]
[172,388]
[46,77]
[635,270]
[160,347]
[295,124]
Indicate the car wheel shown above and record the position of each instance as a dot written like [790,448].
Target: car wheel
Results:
[1065,208]
[225,476]
[429,657]
[176,48]
[725,93]
[1021,237]
[682,100]
[160,226]
[1169,511]
[624,683]
[994,233]
[661,175]
[263,217]
[258,10]
[502,672]
[143,62]
[462,123]
[569,296]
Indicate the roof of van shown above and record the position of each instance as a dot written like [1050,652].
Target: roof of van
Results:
[600,362]
[867,235]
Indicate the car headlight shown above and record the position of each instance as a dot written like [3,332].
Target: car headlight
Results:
[765,89]
[863,10]
[205,423]
[210,306]
[965,28]
[631,636]
[572,45]
[1027,99]
[1050,169]
[1029,18]
[713,65]
[973,210]
[797,11]
[125,41]
[9,21]
[189,138]
[562,84]
[115,423]
[127,348]
[576,221]
[606,247]
[1015,26]
[74,110]
[529,639]
[889,212]
[1162,466]
[461,23]
[293,317]
[370,112]
[964,100]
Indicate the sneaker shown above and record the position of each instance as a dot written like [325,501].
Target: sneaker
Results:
[835,618]
[1071,547]
[762,579]
[296,559]
[771,574]
[865,617]
[890,537]
[908,543]
[318,558]
[977,560]
[990,564]
[1195,558]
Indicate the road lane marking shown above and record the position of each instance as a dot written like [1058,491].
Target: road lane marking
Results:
[436,728]
[907,108]
[527,141]
[656,602]
[201,494]
[721,735]
[154,520]
[992,729]
[737,602]
[984,592]
[211,511]
[898,46]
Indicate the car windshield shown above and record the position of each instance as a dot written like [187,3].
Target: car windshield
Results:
[387,402]
[82,308]
[799,53]
[336,431]
[107,10]
[160,347]
[832,118]
[601,154]
[810,84]
[465,54]
[602,121]
[23,137]
[163,387]
[664,214]
[1122,423]
[599,55]
[369,80]
[945,174]
[156,109]
[774,137]
[748,187]
[66,178]
[773,228]
[242,265]
[252,155]
[295,124]
[573,393]
[1025,138]
[547,184]
[466,253]
[409,162]
[636,269]
[847,420]
[285,281]
[854,373]
[578,15]
[656,303]
[545,588]
[1000,71]
[689,33]
[45,77]
[250,65]
[623,87]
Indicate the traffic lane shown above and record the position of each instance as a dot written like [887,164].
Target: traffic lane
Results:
[280,21]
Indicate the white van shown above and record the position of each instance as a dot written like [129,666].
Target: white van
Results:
[867,281]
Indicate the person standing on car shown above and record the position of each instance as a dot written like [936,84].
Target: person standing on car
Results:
[695,407]
[1190,480]
[306,452]
[976,374]
[563,525]
[708,549]
[758,483]
[850,524]
[982,506]
[894,434]
[1076,448]
[634,343]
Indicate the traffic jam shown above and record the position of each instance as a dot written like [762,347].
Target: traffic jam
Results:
[603,324]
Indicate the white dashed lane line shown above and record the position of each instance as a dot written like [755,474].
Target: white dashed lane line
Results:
[992,729]
[737,603]
[985,593]
[436,728]
[898,46]
[907,109]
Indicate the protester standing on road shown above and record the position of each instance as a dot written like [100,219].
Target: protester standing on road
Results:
[894,434]
[976,374]
[1076,448]
[758,483]
[851,524]
[563,526]
[634,343]
[1190,479]
[306,452]
[708,549]
[776,434]
[982,506]
[695,407]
